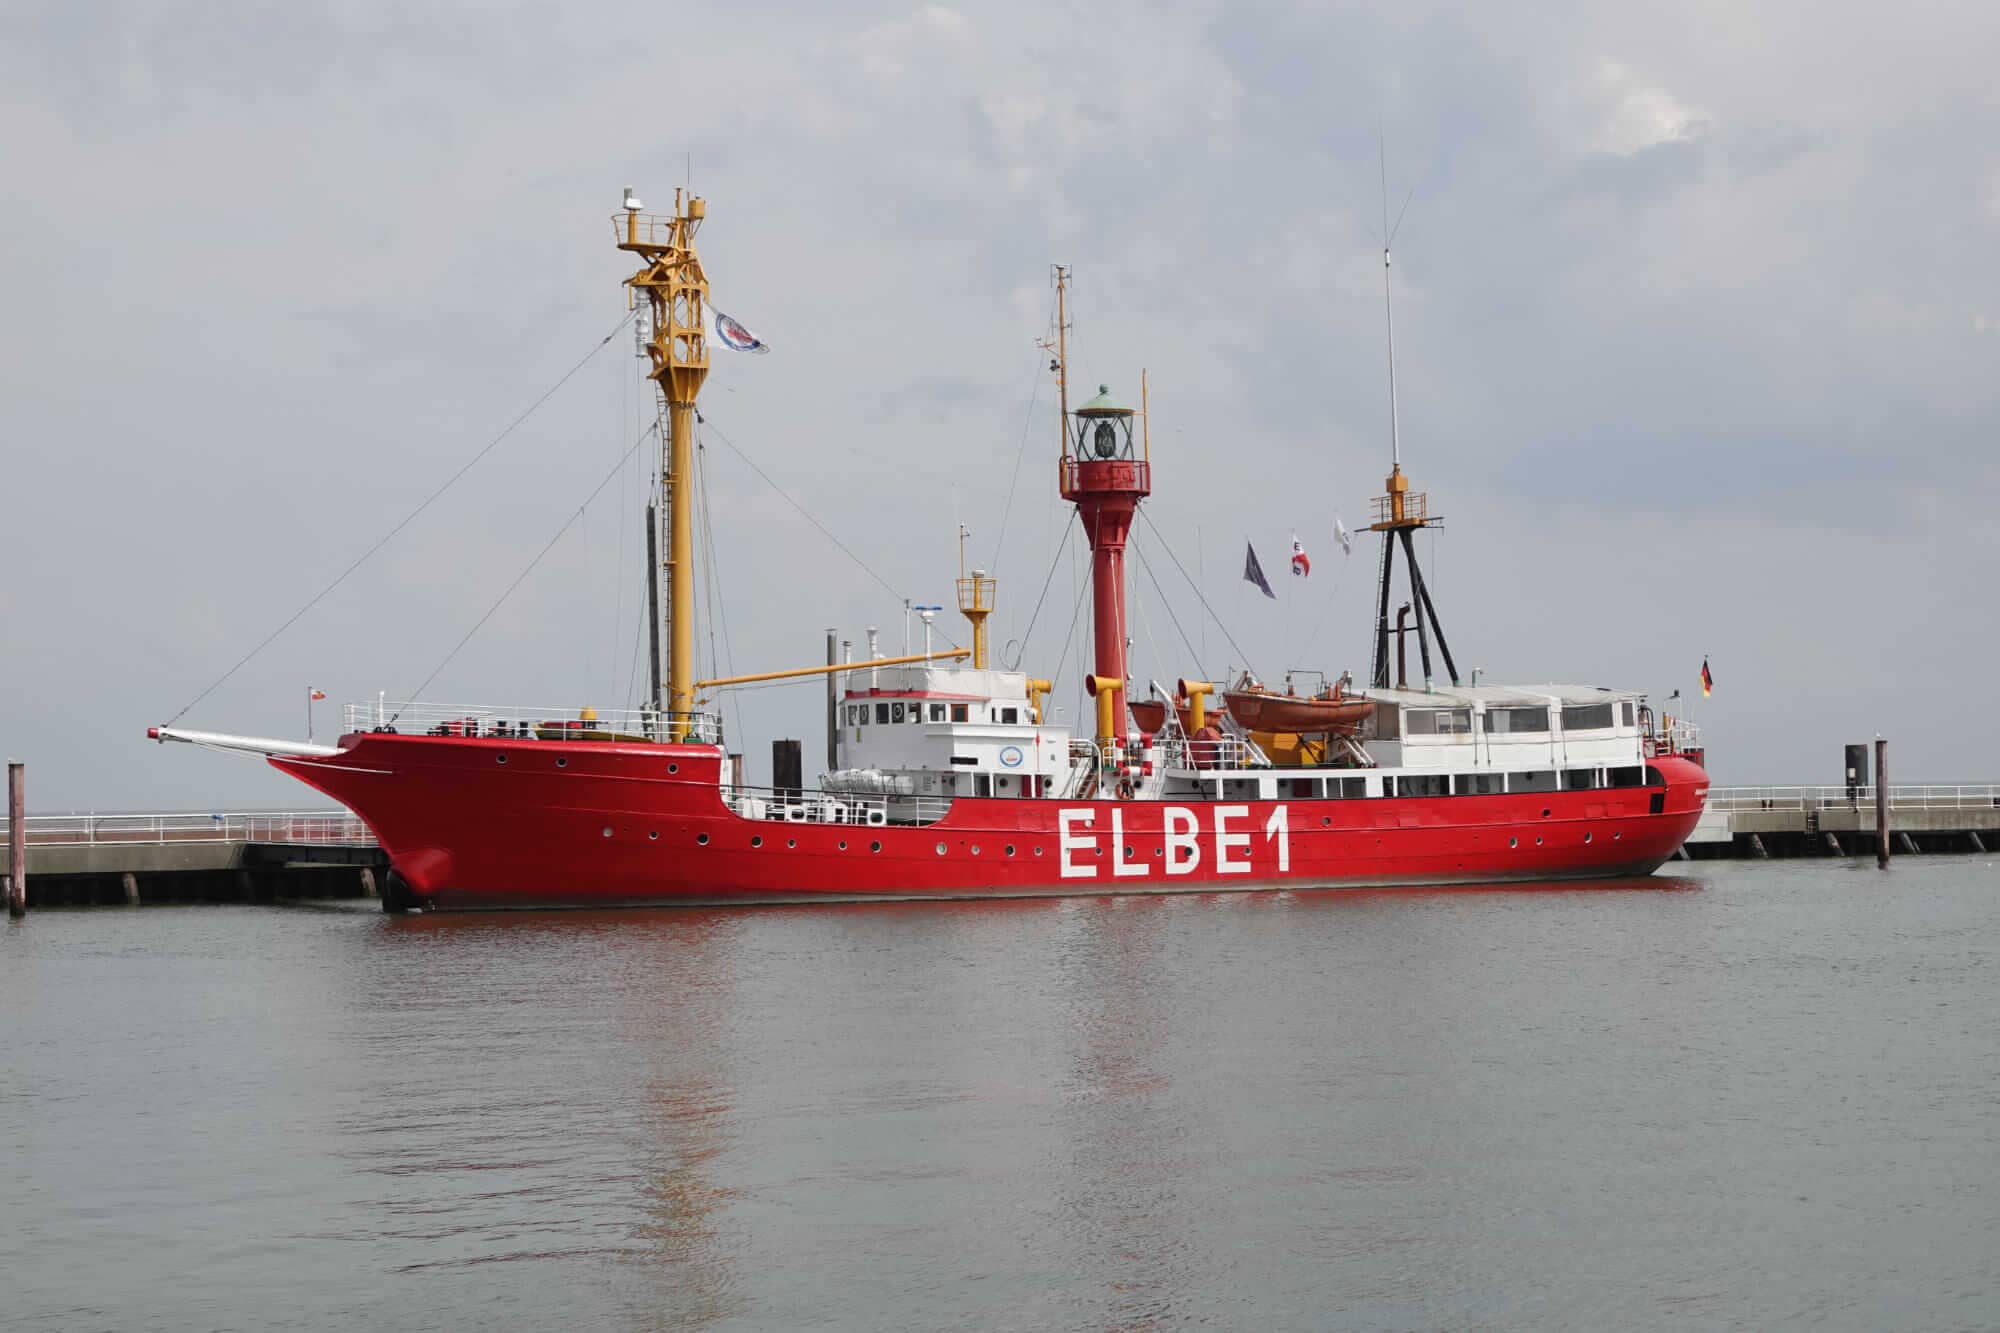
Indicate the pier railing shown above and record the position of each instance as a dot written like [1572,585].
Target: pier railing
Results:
[1978,796]
[531,722]
[320,828]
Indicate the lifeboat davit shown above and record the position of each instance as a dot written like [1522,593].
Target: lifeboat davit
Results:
[1330,711]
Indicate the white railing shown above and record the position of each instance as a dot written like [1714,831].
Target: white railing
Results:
[824,807]
[527,722]
[314,827]
[1982,796]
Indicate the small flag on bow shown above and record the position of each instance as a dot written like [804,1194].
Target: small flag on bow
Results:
[1254,572]
[1707,680]
[1302,565]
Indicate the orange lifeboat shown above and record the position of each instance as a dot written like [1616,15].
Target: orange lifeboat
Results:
[1151,715]
[1329,711]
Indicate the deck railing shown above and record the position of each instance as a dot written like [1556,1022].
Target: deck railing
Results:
[314,827]
[786,806]
[1978,796]
[529,722]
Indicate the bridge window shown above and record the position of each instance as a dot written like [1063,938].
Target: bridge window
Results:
[1352,789]
[1240,789]
[896,711]
[1509,721]
[1478,784]
[1010,716]
[1633,776]
[937,712]
[1542,781]
[882,714]
[1586,717]
[959,712]
[1423,784]
[1627,709]
[1579,779]
[1299,789]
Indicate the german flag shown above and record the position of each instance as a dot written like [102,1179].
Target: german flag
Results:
[1707,680]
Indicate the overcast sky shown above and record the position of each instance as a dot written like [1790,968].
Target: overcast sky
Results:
[1698,322]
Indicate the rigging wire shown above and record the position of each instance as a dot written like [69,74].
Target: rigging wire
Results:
[1197,590]
[844,549]
[1021,453]
[408,519]
[522,576]
[1147,565]
[715,581]
[1054,565]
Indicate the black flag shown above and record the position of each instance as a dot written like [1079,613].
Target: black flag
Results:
[1254,572]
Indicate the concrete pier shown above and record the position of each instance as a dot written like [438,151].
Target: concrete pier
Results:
[85,860]
[1813,821]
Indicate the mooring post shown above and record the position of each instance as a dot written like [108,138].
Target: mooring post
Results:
[17,838]
[368,889]
[130,882]
[1881,803]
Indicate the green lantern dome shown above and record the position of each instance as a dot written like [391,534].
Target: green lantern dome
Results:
[1104,405]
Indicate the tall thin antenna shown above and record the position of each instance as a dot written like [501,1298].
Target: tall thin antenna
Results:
[1389,310]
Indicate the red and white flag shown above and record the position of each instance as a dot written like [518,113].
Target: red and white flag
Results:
[316,695]
[1301,563]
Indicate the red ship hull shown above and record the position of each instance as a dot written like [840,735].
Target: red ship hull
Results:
[476,824]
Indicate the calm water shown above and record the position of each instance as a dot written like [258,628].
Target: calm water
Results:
[1756,1095]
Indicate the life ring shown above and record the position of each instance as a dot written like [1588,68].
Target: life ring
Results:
[1124,788]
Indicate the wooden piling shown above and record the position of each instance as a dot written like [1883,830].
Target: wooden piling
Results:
[1881,803]
[17,838]
[1977,845]
[130,882]
[368,889]
[1757,848]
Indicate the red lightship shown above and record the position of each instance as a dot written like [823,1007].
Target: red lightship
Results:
[945,776]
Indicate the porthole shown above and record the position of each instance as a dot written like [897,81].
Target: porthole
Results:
[1586,837]
[756,840]
[874,846]
[673,768]
[975,849]
[1010,849]
[607,830]
[1616,836]
[791,842]
[843,844]
[1128,851]
[654,835]
[1158,852]
[562,763]
[1545,812]
[701,839]
[1326,821]
[1038,851]
[1538,842]
[1513,842]
[499,758]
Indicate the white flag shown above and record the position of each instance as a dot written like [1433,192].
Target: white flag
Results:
[1343,536]
[731,333]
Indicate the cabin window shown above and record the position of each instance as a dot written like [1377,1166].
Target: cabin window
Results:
[1423,784]
[1352,789]
[982,784]
[1626,708]
[1478,784]
[1543,781]
[1579,779]
[1299,789]
[937,712]
[1239,789]
[1010,716]
[1586,717]
[958,712]
[1633,776]
[1439,721]
[896,711]
[1387,725]
[882,713]
[916,711]
[1508,721]
[1655,778]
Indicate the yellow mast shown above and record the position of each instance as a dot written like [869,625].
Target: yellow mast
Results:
[675,289]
